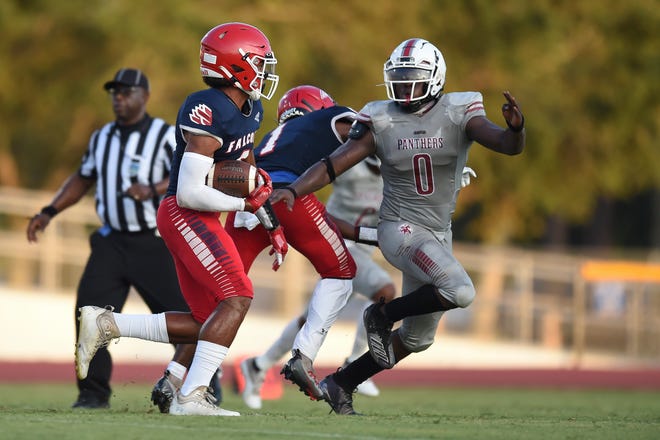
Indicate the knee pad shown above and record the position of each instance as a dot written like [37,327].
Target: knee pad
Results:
[415,345]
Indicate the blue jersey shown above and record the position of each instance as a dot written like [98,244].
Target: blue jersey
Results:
[210,112]
[287,151]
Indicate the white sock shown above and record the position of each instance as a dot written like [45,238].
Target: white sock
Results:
[149,327]
[360,342]
[280,347]
[177,370]
[329,297]
[208,358]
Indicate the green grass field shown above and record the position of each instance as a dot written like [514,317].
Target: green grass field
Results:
[42,411]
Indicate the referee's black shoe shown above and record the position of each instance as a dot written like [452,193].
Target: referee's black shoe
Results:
[90,401]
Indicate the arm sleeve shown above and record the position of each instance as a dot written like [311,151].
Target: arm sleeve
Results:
[193,193]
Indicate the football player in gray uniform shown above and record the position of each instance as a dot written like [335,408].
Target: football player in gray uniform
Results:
[422,137]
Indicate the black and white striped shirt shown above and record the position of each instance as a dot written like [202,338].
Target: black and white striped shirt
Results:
[118,157]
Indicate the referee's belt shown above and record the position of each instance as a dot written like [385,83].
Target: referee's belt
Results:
[106,230]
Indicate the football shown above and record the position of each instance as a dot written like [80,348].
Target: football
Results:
[233,177]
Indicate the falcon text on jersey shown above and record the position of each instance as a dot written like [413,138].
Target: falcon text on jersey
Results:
[239,143]
[420,143]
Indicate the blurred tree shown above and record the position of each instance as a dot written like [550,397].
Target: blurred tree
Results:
[585,74]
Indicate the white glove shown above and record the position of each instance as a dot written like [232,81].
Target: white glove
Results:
[245,219]
[465,178]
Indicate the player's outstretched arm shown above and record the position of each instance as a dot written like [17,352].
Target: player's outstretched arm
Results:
[326,170]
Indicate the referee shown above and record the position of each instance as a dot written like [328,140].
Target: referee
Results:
[129,161]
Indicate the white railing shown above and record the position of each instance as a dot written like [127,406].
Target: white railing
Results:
[522,295]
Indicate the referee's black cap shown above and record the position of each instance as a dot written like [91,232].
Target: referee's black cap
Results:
[128,77]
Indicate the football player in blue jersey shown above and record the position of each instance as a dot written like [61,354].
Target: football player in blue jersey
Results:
[286,152]
[214,124]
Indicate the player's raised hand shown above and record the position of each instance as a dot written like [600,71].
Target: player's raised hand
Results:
[512,113]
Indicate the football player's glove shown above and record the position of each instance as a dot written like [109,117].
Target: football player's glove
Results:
[465,178]
[280,246]
[259,196]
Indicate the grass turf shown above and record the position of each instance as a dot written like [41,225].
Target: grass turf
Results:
[42,411]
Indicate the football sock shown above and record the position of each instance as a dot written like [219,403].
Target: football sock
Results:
[418,302]
[208,356]
[357,372]
[360,341]
[177,370]
[149,327]
[329,297]
[280,347]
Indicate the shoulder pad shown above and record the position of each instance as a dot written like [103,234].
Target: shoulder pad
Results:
[464,98]
[358,129]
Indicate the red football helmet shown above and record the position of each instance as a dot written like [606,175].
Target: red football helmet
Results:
[241,54]
[301,100]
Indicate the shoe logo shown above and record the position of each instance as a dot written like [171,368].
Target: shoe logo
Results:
[405,229]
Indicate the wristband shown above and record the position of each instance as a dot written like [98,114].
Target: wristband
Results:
[329,168]
[154,191]
[293,191]
[49,210]
[516,129]
[366,235]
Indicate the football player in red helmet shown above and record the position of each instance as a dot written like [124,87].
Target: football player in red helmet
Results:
[301,100]
[311,126]
[286,152]
[239,55]
[214,124]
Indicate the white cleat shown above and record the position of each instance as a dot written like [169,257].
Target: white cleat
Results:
[368,388]
[198,403]
[97,329]
[254,380]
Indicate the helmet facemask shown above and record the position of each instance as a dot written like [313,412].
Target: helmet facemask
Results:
[408,86]
[265,82]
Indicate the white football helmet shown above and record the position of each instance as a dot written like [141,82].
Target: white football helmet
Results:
[413,64]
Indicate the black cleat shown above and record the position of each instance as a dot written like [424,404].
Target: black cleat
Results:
[164,391]
[340,400]
[215,388]
[300,371]
[379,330]
[90,402]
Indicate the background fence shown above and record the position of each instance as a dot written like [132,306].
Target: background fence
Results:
[571,301]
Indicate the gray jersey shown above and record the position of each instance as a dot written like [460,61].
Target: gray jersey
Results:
[356,196]
[422,157]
